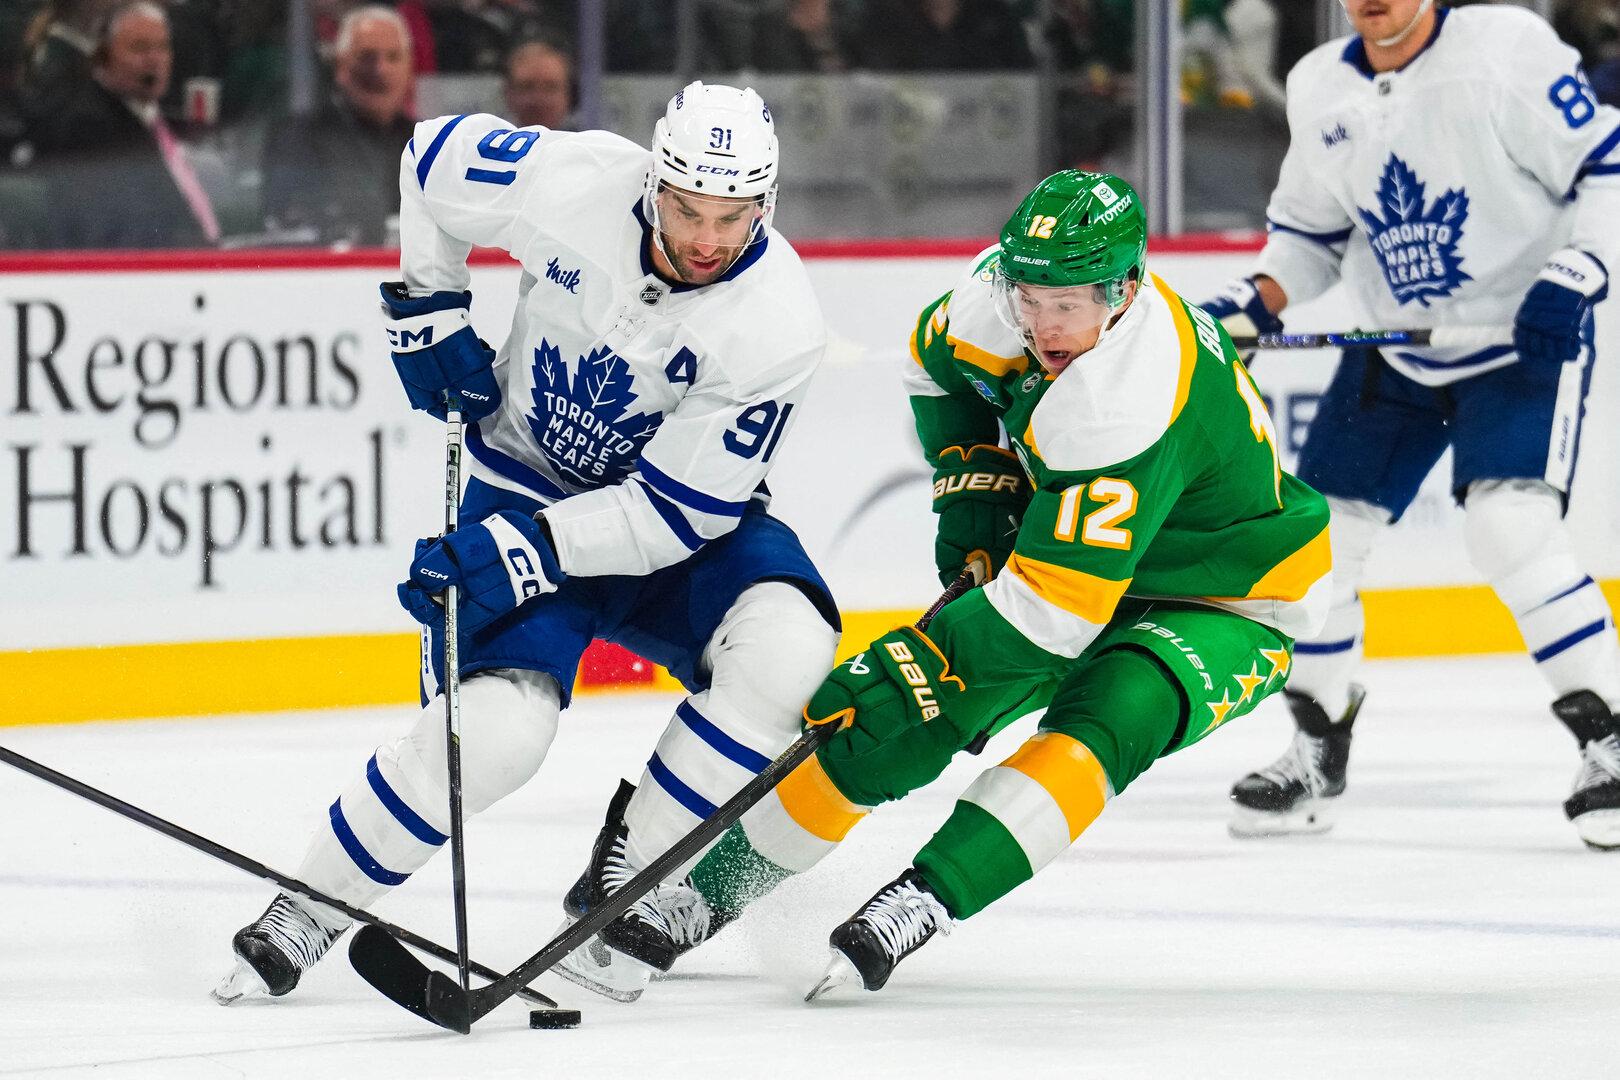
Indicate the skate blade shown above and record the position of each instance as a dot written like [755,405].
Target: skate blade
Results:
[839,973]
[241,982]
[1311,818]
[600,970]
[1600,829]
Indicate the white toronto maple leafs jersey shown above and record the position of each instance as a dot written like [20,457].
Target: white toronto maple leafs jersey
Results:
[1437,191]
[643,415]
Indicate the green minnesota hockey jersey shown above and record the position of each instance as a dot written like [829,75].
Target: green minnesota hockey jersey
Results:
[1153,464]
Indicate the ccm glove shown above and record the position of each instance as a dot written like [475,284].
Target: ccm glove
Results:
[980,493]
[498,564]
[436,352]
[1547,330]
[1240,309]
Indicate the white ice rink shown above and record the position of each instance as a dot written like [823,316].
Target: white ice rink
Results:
[1451,926]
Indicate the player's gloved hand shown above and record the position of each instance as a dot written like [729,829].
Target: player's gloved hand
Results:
[1239,308]
[497,564]
[1547,330]
[436,352]
[980,493]
[899,681]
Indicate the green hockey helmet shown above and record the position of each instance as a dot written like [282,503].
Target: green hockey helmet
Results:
[1075,229]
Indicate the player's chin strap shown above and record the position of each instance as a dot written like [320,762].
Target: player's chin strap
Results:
[1395,39]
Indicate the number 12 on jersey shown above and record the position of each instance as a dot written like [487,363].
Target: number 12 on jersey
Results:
[1101,527]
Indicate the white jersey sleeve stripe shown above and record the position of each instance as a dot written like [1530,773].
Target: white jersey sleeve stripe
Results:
[673,489]
[672,517]
[1596,163]
[1326,239]
[424,165]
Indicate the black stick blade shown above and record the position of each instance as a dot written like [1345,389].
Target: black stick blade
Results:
[403,979]
[448,1004]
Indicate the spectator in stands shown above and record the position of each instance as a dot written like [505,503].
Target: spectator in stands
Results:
[943,35]
[539,86]
[57,47]
[475,35]
[118,175]
[334,176]
[1593,27]
[811,35]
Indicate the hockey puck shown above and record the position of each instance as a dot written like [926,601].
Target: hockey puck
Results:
[554,1018]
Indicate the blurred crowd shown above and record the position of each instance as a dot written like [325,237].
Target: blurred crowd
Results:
[166,123]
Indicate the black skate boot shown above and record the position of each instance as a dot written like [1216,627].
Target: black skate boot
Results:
[1296,793]
[890,927]
[273,951]
[1594,806]
[659,928]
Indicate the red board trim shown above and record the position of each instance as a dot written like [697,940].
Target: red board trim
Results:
[386,259]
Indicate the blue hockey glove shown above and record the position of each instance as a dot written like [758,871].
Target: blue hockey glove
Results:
[1547,330]
[1240,309]
[436,352]
[497,564]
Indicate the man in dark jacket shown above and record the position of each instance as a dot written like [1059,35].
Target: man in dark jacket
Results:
[117,175]
[337,172]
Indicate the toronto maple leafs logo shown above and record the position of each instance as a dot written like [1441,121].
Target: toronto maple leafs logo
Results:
[1416,244]
[582,419]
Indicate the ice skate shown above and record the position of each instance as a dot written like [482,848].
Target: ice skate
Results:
[1594,805]
[666,923]
[890,927]
[1297,794]
[273,951]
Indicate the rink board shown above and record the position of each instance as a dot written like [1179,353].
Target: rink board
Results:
[210,480]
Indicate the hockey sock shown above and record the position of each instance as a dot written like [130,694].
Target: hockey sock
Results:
[1013,820]
[394,817]
[786,833]
[1518,540]
[1324,665]
[733,874]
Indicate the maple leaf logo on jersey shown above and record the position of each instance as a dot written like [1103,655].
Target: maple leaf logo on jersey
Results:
[582,422]
[1416,244]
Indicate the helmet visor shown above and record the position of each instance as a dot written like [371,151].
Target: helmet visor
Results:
[703,235]
[1063,319]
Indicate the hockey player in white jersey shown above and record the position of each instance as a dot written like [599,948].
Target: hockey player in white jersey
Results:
[1452,167]
[663,338]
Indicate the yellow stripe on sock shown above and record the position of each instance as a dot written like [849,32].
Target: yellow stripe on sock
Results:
[1069,772]
[815,803]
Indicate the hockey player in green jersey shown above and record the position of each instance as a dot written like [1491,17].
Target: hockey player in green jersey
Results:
[1152,565]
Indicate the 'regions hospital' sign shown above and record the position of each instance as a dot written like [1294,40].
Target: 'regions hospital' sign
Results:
[128,443]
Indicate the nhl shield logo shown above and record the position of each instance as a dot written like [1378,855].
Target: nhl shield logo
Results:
[1031,382]
[651,295]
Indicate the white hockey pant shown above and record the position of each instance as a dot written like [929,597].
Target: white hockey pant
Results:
[391,820]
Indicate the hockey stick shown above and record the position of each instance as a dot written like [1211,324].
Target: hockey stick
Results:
[452,693]
[242,862]
[1441,337]
[412,985]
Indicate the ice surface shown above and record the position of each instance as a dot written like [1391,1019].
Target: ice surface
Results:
[1452,925]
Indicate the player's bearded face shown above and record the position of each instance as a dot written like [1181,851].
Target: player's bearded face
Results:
[702,235]
[1062,324]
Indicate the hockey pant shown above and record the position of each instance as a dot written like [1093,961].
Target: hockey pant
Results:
[1161,677]
[768,653]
